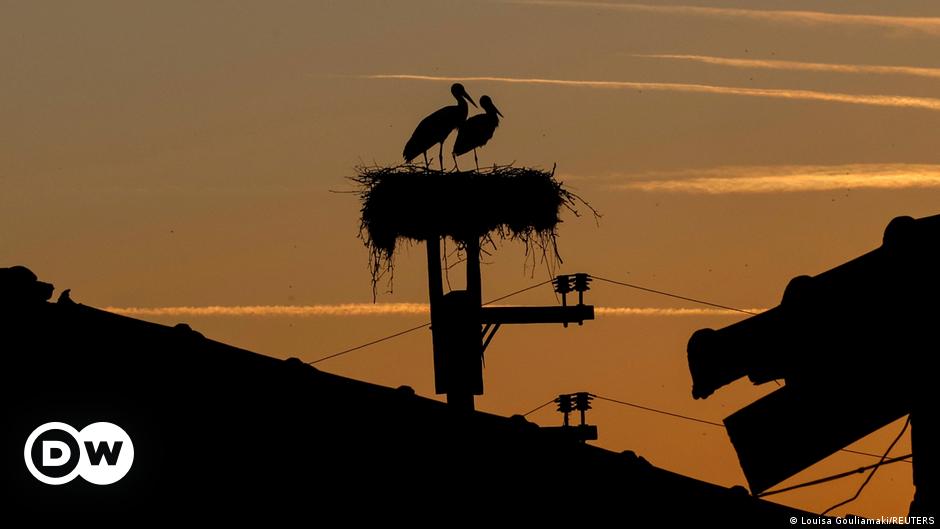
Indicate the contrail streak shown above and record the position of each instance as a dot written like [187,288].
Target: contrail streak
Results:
[877,100]
[667,311]
[767,64]
[369,309]
[343,309]
[923,25]
[784,179]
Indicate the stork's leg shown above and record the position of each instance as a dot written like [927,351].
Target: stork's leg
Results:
[456,169]
[477,162]
[427,164]
[440,156]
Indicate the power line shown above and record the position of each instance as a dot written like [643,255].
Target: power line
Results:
[526,289]
[710,304]
[869,454]
[511,294]
[373,342]
[661,412]
[530,412]
[412,329]
[883,459]
[827,479]
[671,295]
[874,469]
[688,418]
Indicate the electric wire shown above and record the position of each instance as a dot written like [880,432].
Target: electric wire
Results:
[690,418]
[540,406]
[661,412]
[412,329]
[883,459]
[873,470]
[367,344]
[526,289]
[671,295]
[827,479]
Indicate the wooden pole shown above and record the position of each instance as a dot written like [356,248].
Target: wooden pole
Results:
[474,279]
[455,329]
[435,285]
[463,399]
[435,300]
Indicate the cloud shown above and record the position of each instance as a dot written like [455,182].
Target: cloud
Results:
[666,311]
[801,66]
[344,309]
[922,25]
[369,309]
[877,100]
[790,178]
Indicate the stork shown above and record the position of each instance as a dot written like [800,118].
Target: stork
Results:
[435,128]
[476,131]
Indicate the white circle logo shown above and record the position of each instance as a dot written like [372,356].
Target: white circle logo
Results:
[102,453]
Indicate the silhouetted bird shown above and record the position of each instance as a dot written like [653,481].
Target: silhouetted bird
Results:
[478,130]
[435,128]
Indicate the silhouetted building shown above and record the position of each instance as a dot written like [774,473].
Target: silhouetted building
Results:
[230,432]
[856,346]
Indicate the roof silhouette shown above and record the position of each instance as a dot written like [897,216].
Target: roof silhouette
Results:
[856,347]
[228,431]
[839,322]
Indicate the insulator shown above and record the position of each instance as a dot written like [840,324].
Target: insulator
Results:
[564,403]
[562,284]
[582,282]
[582,401]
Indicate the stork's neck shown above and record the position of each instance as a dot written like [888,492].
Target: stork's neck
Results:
[491,113]
[462,108]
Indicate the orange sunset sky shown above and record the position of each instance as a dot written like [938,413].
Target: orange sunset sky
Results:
[179,154]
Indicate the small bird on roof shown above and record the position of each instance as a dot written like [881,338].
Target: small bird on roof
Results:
[476,131]
[435,128]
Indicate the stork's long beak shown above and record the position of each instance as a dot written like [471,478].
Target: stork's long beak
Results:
[470,99]
[498,113]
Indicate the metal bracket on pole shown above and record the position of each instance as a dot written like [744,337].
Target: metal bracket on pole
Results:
[495,327]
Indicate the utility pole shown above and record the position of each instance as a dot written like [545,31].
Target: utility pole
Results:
[462,327]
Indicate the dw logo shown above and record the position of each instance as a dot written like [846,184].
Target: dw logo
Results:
[102,453]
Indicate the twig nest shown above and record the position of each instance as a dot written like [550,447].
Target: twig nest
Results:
[410,202]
